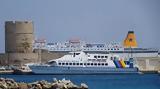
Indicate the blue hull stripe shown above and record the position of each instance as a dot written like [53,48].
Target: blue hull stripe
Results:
[80,70]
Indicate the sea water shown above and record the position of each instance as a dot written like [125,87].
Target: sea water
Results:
[122,81]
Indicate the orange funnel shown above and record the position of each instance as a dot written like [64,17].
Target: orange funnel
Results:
[130,40]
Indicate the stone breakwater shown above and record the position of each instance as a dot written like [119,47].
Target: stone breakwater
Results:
[56,84]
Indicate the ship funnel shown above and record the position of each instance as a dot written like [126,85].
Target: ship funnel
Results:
[130,40]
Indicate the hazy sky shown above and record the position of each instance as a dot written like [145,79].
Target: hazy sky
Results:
[90,20]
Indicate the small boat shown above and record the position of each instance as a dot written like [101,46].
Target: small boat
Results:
[5,70]
[22,70]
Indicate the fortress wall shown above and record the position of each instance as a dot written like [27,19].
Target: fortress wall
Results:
[17,58]
[148,63]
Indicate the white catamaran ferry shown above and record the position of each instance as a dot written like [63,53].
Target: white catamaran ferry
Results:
[85,63]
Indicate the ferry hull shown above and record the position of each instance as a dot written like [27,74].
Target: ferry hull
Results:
[80,70]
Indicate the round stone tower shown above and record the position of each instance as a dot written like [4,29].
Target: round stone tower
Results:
[18,36]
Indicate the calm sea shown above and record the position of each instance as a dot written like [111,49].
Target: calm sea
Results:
[133,81]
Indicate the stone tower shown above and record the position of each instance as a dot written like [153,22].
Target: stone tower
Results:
[19,36]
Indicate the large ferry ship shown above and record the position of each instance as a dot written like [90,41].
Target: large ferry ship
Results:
[85,63]
[126,49]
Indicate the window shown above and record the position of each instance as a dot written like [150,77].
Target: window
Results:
[77,63]
[77,53]
[95,63]
[59,63]
[106,56]
[99,64]
[111,58]
[95,56]
[81,63]
[84,63]
[62,63]
[103,64]
[74,63]
[102,56]
[91,63]
[66,63]
[88,63]
[98,56]
[106,64]
[70,63]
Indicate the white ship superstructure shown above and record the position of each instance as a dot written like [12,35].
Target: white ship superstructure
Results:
[127,49]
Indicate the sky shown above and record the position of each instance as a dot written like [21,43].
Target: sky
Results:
[90,20]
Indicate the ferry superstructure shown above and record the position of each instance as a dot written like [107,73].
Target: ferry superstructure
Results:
[85,63]
[129,47]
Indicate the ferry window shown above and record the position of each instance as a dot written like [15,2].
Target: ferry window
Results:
[106,56]
[74,55]
[81,63]
[98,56]
[89,59]
[77,53]
[111,49]
[102,56]
[66,63]
[70,63]
[95,56]
[95,63]
[103,60]
[106,64]
[74,63]
[84,63]
[111,58]
[62,63]
[103,64]
[91,63]
[99,64]
[59,63]
[77,63]
[88,63]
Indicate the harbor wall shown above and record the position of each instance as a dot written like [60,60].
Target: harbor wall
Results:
[141,55]
[17,58]
[143,63]
[148,63]
[23,58]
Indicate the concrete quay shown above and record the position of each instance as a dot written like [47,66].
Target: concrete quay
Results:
[148,64]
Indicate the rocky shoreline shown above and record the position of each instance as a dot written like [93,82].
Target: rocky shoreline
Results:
[8,83]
